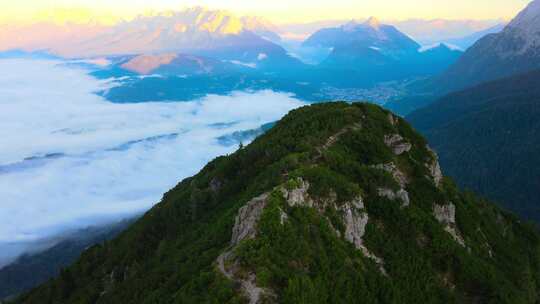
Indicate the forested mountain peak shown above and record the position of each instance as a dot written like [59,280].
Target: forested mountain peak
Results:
[337,203]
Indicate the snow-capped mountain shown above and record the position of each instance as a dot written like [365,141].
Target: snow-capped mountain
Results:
[514,50]
[262,27]
[367,34]
[198,31]
[379,51]
[189,30]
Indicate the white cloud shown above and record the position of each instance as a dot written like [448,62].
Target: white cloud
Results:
[70,158]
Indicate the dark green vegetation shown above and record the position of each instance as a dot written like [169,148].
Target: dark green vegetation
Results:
[300,253]
[32,270]
[488,138]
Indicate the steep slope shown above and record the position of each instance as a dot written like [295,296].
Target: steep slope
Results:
[513,51]
[488,139]
[337,203]
[467,41]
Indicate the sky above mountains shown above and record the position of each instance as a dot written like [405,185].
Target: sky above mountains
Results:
[278,11]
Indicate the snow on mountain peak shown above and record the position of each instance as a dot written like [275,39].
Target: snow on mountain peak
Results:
[194,19]
[354,25]
[373,22]
[441,45]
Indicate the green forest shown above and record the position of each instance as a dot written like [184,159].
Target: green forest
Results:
[169,255]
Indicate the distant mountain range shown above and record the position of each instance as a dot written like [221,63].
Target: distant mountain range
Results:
[426,32]
[195,31]
[514,50]
[378,51]
[467,41]
[369,34]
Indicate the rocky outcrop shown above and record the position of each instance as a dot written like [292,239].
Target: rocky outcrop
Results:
[245,225]
[392,119]
[354,217]
[402,181]
[397,143]
[297,195]
[446,215]
[355,220]
[229,268]
[397,174]
[390,194]
[435,168]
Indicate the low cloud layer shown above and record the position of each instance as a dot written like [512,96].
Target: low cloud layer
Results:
[70,159]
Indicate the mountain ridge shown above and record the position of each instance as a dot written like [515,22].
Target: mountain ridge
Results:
[512,51]
[335,203]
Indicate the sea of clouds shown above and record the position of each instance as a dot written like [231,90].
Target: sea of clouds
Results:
[70,159]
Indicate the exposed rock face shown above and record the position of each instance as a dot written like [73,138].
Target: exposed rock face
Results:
[215,185]
[248,284]
[298,196]
[401,195]
[355,220]
[446,215]
[283,217]
[435,169]
[397,143]
[400,178]
[245,226]
[354,216]
[391,168]
[392,119]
